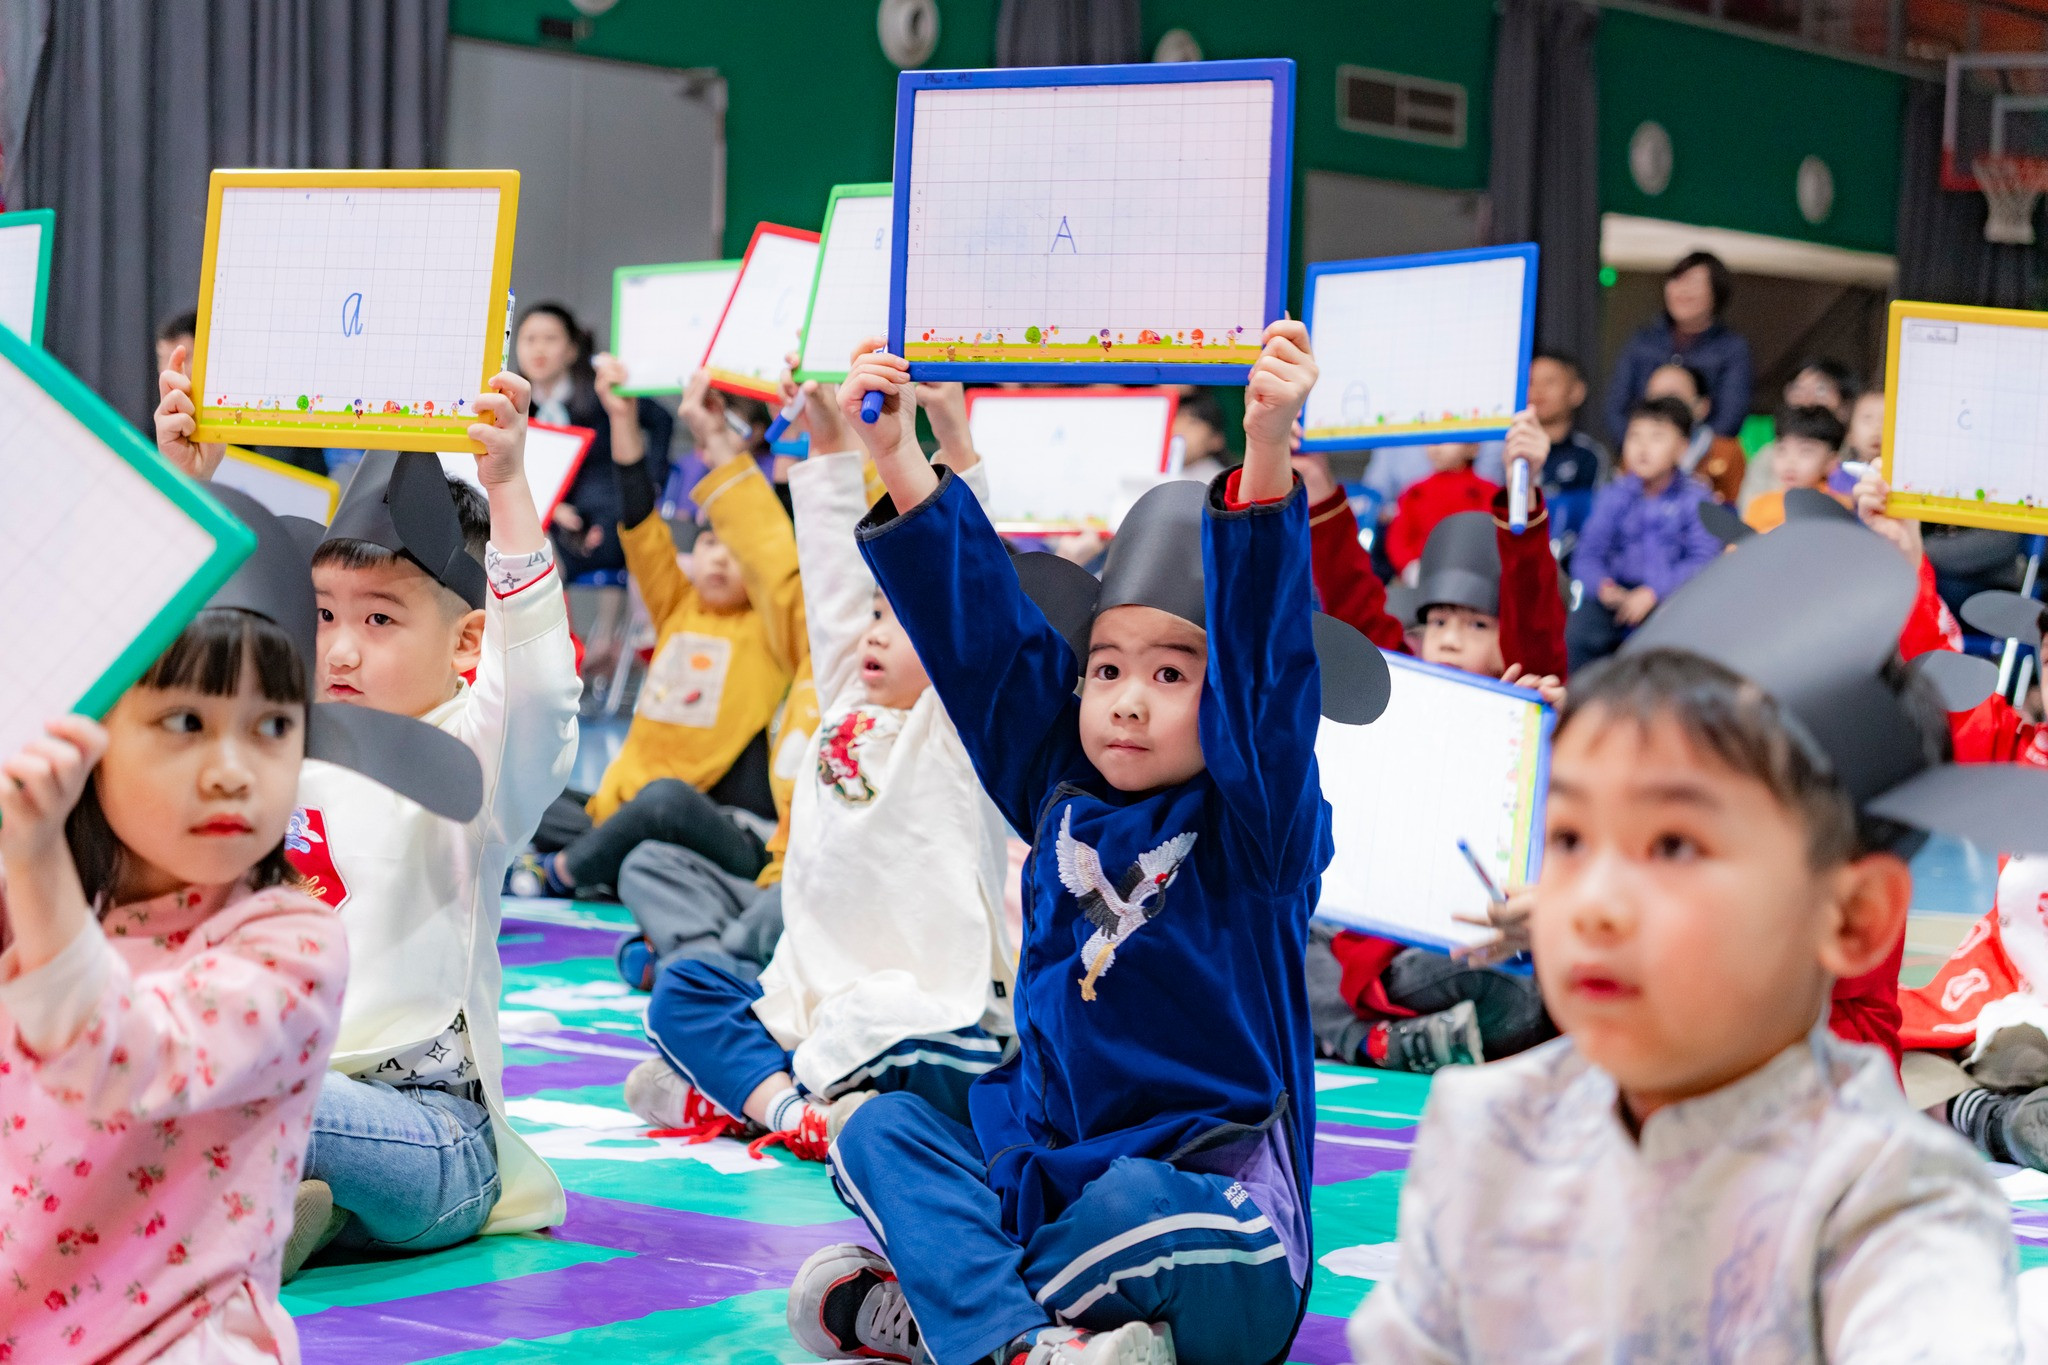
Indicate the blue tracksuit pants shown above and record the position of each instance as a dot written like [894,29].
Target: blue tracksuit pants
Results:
[1144,1242]
[702,1019]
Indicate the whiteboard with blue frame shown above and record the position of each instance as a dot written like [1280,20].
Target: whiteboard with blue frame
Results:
[1091,225]
[1425,348]
[1455,756]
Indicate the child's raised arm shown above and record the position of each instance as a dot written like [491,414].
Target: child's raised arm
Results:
[1279,385]
[177,419]
[501,468]
[891,439]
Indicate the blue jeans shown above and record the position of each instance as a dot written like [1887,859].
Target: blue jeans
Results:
[416,1169]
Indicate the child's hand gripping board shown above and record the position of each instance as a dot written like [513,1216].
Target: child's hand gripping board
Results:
[1966,416]
[285,489]
[662,320]
[764,318]
[352,308]
[1433,347]
[25,240]
[1456,756]
[1087,225]
[1065,459]
[850,294]
[105,550]
[553,457]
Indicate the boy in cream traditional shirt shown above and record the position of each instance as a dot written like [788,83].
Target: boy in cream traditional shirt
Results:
[1699,1170]
[411,1150]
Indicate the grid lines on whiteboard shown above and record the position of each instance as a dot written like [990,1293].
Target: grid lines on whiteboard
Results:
[1417,346]
[345,295]
[90,553]
[853,283]
[1971,412]
[1125,207]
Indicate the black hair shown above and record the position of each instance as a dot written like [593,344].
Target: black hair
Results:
[1814,424]
[472,509]
[1731,719]
[756,414]
[583,346]
[1835,372]
[1672,410]
[1718,278]
[207,657]
[177,325]
[1692,372]
[1558,357]
[1203,406]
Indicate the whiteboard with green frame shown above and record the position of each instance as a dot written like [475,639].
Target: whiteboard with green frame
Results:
[850,293]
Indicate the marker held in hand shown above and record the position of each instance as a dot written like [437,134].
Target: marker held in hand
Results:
[871,406]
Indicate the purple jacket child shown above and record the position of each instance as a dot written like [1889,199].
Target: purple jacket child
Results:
[1635,537]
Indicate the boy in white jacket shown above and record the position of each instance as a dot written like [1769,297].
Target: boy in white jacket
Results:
[411,1150]
[893,972]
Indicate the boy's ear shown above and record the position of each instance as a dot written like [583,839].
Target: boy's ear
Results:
[1873,894]
[469,640]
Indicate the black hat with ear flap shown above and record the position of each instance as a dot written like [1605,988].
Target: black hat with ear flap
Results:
[410,757]
[1460,567]
[2007,616]
[400,500]
[1811,613]
[1156,561]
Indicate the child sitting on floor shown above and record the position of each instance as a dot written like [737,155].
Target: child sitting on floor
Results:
[894,971]
[1486,602]
[1451,489]
[1699,1169]
[1139,1172]
[1643,538]
[1806,453]
[411,1148]
[694,769]
[169,992]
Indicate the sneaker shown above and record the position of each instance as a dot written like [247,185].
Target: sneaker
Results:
[845,1304]
[1434,1041]
[1134,1343]
[671,1107]
[635,961]
[315,1223]
[527,876]
[2025,1125]
[810,1140]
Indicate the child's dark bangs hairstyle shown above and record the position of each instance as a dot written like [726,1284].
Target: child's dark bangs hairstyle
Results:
[1668,410]
[472,509]
[1732,720]
[1812,424]
[207,657]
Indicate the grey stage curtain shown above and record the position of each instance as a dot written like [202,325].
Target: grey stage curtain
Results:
[1067,32]
[1546,170]
[1943,257]
[135,101]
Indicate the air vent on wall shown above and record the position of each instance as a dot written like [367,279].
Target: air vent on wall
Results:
[1411,108]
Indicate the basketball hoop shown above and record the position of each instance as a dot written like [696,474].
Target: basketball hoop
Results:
[2011,184]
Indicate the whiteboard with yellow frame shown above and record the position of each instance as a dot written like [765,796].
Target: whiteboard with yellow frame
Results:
[352,308]
[1966,416]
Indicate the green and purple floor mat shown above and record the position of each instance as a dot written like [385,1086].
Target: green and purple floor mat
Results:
[674,1252]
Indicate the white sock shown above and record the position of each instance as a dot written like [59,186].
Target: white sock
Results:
[785,1111]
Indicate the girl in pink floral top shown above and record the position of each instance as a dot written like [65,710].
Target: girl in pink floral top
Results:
[159,1058]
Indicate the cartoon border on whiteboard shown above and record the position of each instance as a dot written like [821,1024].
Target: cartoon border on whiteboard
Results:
[47,220]
[1448,431]
[1280,71]
[725,381]
[379,430]
[1535,788]
[1058,528]
[625,272]
[873,190]
[1996,516]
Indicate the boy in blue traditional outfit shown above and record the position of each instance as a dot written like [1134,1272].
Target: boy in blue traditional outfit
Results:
[1138,1175]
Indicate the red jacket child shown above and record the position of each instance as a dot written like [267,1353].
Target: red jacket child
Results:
[1454,488]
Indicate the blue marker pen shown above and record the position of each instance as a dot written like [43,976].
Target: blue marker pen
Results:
[1518,497]
[871,406]
[1479,870]
[791,410]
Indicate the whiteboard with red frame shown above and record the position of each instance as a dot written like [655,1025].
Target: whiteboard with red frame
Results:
[764,319]
[554,455]
[1067,459]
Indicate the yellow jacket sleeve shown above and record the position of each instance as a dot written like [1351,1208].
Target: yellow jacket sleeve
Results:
[651,559]
[748,518]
